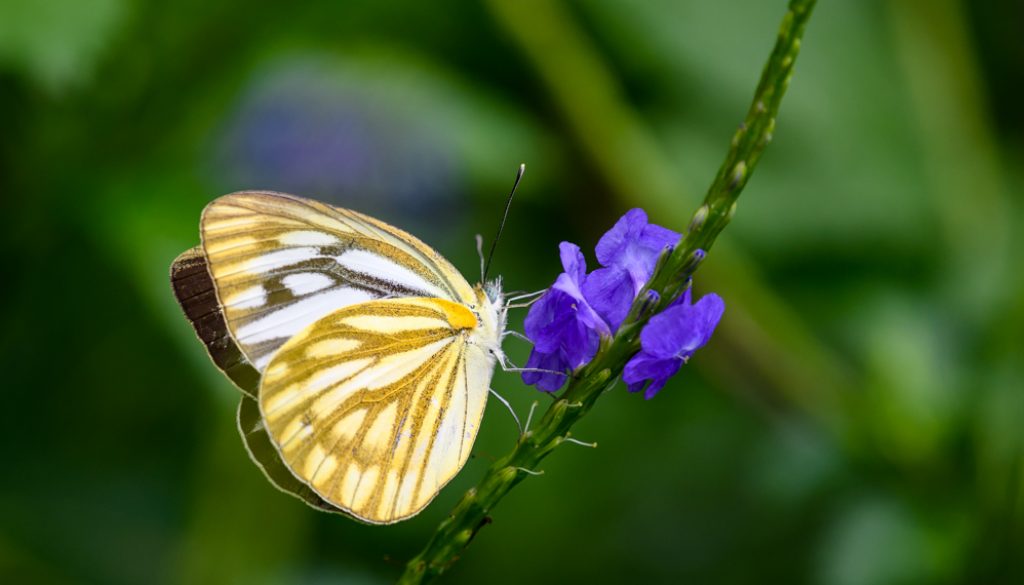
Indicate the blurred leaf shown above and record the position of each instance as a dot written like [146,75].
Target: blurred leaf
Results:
[878,541]
[57,42]
[696,60]
[913,377]
[792,464]
[237,530]
[957,143]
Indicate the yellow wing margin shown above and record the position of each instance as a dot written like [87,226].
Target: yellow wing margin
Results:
[377,405]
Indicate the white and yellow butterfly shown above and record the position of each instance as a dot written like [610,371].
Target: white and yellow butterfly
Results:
[368,355]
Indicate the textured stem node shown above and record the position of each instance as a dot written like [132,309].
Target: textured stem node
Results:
[700,217]
[739,173]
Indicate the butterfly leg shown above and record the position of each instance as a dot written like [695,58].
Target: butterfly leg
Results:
[508,366]
[517,335]
[524,296]
[524,301]
[509,407]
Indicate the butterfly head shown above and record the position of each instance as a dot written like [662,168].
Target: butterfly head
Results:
[492,290]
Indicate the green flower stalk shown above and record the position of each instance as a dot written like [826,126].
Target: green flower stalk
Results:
[670,280]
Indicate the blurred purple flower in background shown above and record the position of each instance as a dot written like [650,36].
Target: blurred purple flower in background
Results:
[309,126]
[669,339]
[566,323]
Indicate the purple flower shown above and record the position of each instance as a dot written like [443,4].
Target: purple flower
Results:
[564,328]
[628,253]
[669,339]
[567,322]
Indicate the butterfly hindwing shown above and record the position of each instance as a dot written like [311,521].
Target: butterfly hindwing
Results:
[376,406]
[281,262]
[265,456]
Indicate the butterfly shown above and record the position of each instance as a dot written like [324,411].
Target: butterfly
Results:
[365,357]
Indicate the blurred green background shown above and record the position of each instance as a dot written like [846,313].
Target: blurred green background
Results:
[856,420]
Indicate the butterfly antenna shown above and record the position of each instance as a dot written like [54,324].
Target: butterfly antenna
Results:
[504,216]
[480,254]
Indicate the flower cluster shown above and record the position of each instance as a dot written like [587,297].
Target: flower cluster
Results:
[568,321]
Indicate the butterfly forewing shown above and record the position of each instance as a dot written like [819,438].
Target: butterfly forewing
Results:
[281,262]
[376,405]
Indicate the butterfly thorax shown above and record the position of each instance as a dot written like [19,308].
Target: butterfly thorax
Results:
[491,314]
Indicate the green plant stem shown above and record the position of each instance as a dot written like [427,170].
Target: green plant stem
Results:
[748,144]
[670,280]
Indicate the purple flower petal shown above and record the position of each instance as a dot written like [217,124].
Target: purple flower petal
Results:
[669,339]
[564,328]
[610,292]
[644,368]
[545,381]
[614,242]
[658,238]
[540,316]
[680,330]
[572,282]
[628,252]
[635,245]
[573,262]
